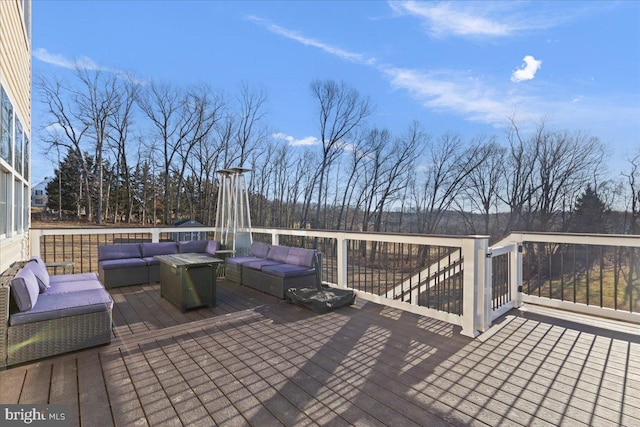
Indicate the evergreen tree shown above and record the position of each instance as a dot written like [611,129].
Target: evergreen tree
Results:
[70,172]
[591,214]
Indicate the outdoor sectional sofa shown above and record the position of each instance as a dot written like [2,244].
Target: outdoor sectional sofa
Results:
[46,315]
[134,263]
[273,269]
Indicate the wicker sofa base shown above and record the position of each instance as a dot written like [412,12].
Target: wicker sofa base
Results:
[117,277]
[274,285]
[233,273]
[42,339]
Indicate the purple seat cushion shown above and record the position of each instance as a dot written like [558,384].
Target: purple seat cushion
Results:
[112,264]
[73,286]
[159,248]
[25,289]
[39,270]
[240,260]
[63,305]
[192,246]
[151,260]
[259,250]
[212,247]
[300,256]
[278,253]
[120,251]
[73,277]
[288,270]
[259,264]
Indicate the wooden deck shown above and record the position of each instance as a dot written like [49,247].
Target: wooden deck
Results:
[254,360]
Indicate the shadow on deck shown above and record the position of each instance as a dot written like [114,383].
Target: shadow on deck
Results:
[254,360]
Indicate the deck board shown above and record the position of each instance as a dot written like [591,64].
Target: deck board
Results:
[95,408]
[255,360]
[64,387]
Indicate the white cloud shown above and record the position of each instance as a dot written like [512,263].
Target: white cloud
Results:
[60,61]
[296,36]
[487,19]
[455,91]
[54,128]
[308,140]
[460,18]
[83,63]
[527,71]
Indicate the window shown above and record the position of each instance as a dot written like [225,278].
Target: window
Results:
[5,195]
[14,174]
[17,207]
[26,173]
[38,192]
[6,128]
[18,145]
[25,208]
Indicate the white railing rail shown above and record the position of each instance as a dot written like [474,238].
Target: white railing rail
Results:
[473,250]
[478,307]
[521,239]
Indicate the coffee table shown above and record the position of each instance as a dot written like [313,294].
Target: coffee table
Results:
[188,280]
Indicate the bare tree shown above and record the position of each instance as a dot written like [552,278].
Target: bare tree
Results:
[181,120]
[251,130]
[483,184]
[98,100]
[66,128]
[340,111]
[633,179]
[359,154]
[518,186]
[566,164]
[120,122]
[448,164]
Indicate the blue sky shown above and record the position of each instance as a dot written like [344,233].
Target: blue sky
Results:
[453,66]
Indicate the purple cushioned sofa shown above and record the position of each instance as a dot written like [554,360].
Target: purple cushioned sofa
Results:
[44,315]
[135,263]
[273,269]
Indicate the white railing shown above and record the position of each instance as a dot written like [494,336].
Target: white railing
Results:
[592,274]
[471,274]
[492,280]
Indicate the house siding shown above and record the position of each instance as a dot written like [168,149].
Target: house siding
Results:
[15,79]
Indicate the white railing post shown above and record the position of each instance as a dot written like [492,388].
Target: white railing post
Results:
[485,290]
[341,256]
[516,275]
[34,242]
[470,288]
[275,238]
[485,299]
[155,235]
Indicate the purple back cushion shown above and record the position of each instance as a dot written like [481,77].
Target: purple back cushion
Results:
[25,289]
[278,253]
[300,256]
[212,247]
[259,250]
[160,248]
[121,251]
[36,265]
[192,246]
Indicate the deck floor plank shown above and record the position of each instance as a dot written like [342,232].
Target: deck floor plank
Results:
[64,388]
[11,385]
[36,385]
[95,408]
